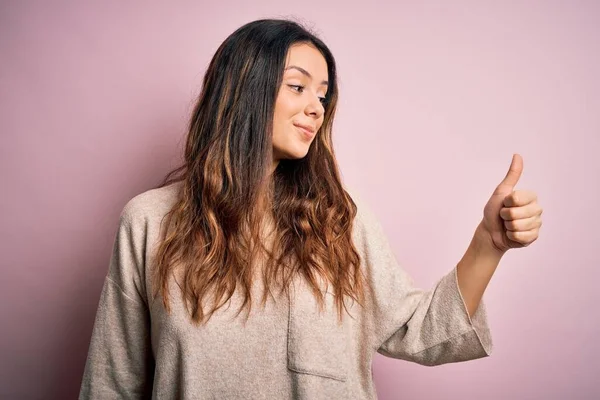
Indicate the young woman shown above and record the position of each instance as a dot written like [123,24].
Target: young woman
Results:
[255,274]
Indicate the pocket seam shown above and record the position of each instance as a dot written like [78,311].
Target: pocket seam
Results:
[292,340]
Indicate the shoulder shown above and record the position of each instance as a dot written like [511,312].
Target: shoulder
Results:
[366,225]
[139,227]
[151,205]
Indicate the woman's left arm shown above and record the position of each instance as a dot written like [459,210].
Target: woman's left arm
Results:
[511,219]
[447,323]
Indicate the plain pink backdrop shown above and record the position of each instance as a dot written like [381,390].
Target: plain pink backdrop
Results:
[435,99]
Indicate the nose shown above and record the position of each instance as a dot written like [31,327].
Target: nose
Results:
[314,107]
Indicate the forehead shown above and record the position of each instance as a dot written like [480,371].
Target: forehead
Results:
[308,57]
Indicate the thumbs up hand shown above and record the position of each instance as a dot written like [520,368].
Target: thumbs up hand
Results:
[511,218]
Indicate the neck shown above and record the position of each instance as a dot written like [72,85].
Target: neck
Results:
[274,166]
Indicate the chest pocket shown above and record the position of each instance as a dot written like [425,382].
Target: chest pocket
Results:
[317,340]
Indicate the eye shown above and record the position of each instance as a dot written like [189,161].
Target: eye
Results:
[300,88]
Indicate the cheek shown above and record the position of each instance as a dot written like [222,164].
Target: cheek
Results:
[284,113]
[320,123]
[286,106]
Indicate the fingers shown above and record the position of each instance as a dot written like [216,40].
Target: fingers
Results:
[525,224]
[519,198]
[515,213]
[523,237]
[514,172]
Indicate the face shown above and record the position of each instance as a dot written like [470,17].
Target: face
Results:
[299,106]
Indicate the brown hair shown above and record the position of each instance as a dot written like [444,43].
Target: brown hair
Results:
[215,229]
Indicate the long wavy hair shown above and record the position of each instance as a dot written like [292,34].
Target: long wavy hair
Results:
[215,233]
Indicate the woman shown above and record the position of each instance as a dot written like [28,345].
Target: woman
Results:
[258,211]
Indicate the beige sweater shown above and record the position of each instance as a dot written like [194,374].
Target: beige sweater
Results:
[285,350]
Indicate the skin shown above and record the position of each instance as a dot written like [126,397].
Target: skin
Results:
[511,218]
[299,101]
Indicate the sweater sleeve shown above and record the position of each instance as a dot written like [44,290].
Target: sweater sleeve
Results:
[119,362]
[428,327]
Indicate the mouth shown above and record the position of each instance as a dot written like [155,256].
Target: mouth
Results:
[307,131]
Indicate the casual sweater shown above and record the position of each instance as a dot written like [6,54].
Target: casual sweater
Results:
[288,349]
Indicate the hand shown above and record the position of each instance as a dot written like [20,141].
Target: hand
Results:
[511,218]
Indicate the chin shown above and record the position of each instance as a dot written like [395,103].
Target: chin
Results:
[295,153]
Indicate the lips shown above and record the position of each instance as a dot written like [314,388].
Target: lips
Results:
[308,130]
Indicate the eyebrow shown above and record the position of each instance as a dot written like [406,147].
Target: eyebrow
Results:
[305,72]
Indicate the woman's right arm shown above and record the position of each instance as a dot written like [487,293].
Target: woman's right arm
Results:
[120,363]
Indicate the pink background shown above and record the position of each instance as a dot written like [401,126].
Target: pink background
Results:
[435,98]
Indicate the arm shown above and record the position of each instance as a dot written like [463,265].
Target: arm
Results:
[120,363]
[428,327]
[447,323]
[475,270]
[511,219]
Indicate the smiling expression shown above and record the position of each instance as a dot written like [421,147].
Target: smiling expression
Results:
[299,107]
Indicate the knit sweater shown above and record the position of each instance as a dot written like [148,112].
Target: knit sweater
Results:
[288,349]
